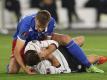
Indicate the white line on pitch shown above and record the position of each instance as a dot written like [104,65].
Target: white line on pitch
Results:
[100,50]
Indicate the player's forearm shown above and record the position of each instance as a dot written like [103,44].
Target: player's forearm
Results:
[51,49]
[19,59]
[21,63]
[46,52]
[53,60]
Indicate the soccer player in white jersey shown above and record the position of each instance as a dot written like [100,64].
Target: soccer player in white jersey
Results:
[45,66]
[49,65]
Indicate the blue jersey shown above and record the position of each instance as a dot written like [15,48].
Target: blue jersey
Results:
[26,29]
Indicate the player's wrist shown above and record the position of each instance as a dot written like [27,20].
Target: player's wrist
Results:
[27,70]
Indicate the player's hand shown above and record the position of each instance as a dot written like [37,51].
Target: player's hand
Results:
[29,71]
[43,54]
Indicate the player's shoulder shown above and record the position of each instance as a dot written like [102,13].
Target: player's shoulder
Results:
[28,17]
[52,19]
[52,22]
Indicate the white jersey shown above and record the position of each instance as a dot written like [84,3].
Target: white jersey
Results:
[37,45]
[45,67]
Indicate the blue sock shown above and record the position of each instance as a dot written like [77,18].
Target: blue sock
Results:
[77,52]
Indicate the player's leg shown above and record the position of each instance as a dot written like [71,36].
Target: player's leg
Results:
[79,40]
[95,59]
[72,47]
[74,64]
[13,66]
[75,51]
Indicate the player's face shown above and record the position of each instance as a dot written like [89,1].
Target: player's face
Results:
[39,27]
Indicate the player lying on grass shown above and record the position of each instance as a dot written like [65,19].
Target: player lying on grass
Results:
[65,63]
[15,69]
[40,26]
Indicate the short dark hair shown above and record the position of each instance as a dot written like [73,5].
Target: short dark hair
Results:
[31,58]
[43,16]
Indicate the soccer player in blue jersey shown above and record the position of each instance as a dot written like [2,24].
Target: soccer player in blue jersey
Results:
[40,26]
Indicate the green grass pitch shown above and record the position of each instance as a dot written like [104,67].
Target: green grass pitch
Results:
[94,44]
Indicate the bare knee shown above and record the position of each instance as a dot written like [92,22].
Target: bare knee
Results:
[61,38]
[79,40]
[65,39]
[13,67]
[12,71]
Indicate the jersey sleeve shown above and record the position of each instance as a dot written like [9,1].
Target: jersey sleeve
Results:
[24,26]
[51,26]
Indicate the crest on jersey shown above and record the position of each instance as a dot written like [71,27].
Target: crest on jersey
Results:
[24,34]
[30,29]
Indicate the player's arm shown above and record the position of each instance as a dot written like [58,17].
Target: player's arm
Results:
[47,51]
[51,47]
[31,69]
[53,60]
[19,46]
[21,38]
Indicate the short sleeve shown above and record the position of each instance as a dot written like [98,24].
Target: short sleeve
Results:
[24,28]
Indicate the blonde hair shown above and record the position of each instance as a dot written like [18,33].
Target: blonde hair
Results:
[43,16]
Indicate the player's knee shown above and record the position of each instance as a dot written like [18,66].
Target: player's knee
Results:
[81,40]
[11,70]
[65,39]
